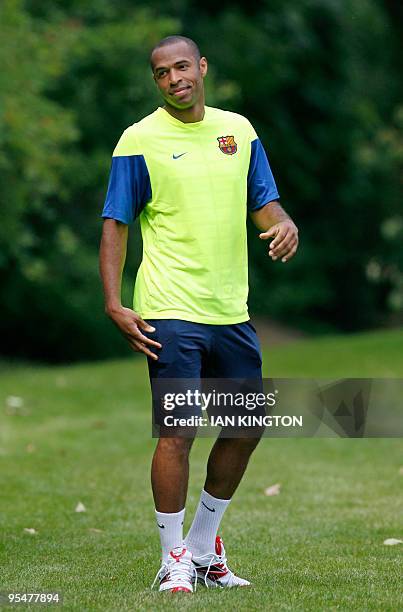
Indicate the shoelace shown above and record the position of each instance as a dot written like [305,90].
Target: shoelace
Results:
[219,560]
[177,570]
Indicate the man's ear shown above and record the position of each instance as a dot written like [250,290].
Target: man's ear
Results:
[203,66]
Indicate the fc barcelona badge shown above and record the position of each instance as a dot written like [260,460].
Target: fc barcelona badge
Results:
[227,144]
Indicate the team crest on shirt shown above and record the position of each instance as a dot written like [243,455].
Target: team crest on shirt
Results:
[227,144]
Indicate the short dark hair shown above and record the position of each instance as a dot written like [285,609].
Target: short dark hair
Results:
[169,40]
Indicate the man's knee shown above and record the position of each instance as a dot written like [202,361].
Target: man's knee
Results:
[179,446]
[244,445]
[249,444]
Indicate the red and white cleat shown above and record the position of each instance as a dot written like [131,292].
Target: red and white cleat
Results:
[177,573]
[212,569]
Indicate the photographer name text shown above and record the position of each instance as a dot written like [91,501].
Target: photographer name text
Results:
[235,421]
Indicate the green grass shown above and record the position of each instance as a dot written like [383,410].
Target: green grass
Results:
[374,355]
[83,434]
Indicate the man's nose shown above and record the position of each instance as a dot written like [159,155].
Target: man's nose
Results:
[174,76]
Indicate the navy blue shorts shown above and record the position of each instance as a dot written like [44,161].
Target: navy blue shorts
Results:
[193,356]
[198,350]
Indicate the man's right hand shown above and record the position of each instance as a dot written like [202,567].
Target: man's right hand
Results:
[130,325]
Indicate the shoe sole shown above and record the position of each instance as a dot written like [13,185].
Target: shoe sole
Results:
[213,585]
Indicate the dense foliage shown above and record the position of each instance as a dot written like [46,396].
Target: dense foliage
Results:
[319,79]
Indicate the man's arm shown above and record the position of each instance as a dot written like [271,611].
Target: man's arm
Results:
[112,256]
[274,222]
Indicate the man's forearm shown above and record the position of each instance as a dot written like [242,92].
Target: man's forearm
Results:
[112,256]
[278,227]
[269,215]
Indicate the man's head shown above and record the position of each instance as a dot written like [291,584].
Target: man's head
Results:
[179,71]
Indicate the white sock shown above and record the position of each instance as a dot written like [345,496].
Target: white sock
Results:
[170,526]
[202,534]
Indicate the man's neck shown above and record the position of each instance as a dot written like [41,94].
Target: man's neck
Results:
[187,115]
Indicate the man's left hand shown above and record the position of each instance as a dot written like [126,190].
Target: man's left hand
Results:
[285,243]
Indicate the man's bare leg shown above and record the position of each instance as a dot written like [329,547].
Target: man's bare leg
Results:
[226,465]
[170,473]
[169,478]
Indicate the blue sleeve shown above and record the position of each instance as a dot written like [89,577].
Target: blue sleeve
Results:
[129,188]
[261,185]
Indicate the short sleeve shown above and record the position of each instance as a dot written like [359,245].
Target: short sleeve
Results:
[129,187]
[261,184]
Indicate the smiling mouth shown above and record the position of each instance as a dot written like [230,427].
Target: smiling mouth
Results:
[179,91]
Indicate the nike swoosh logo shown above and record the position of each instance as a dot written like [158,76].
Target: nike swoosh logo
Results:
[161,526]
[211,509]
[178,156]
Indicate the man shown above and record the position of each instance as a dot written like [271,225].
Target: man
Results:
[191,172]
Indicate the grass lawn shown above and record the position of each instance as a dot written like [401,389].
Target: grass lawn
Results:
[83,435]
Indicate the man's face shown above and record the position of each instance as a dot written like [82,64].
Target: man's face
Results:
[178,74]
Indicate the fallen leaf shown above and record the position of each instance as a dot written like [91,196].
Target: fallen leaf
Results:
[392,541]
[273,490]
[94,530]
[30,530]
[20,410]
[80,507]
[13,401]
[15,406]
